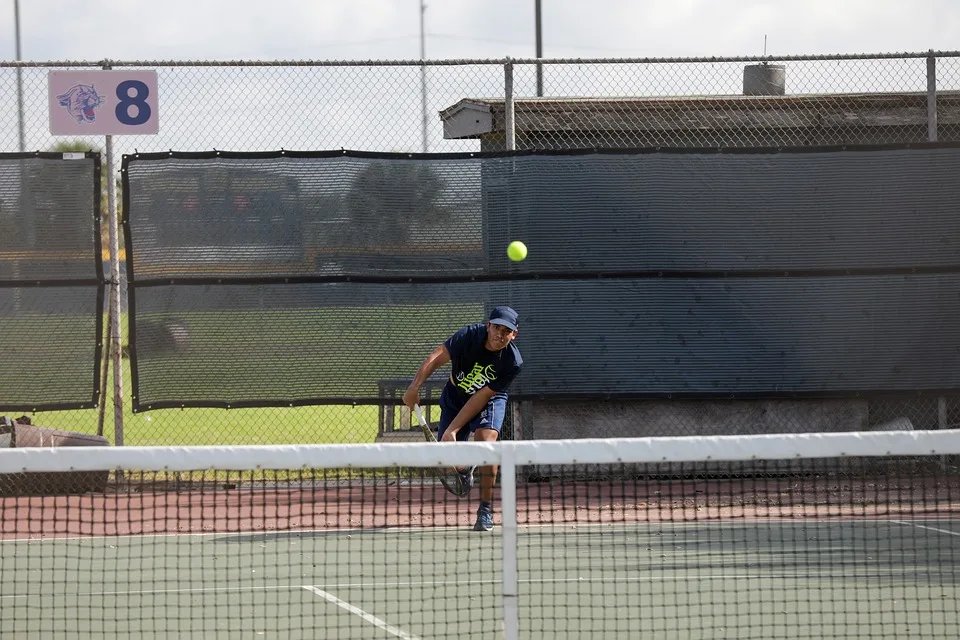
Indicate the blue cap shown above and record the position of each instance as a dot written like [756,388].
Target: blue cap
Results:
[505,316]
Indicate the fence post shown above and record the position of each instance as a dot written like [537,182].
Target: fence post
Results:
[931,97]
[508,126]
[22,140]
[115,349]
[424,139]
[932,137]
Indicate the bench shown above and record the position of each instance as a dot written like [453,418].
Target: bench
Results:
[390,393]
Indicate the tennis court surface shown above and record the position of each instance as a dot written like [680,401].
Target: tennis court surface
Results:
[793,536]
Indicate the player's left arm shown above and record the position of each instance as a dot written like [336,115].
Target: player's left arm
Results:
[474,405]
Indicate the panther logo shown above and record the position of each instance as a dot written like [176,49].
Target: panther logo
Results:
[80,101]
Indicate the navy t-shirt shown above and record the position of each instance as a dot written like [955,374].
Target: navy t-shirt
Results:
[473,366]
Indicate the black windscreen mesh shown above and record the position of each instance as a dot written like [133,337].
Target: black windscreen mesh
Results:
[704,273]
[190,215]
[230,344]
[49,209]
[729,211]
[340,214]
[740,336]
[51,280]
[50,345]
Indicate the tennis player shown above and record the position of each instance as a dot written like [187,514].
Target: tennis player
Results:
[484,361]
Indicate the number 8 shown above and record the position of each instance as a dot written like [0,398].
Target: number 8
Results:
[139,99]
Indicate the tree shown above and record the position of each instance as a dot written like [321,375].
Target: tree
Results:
[388,198]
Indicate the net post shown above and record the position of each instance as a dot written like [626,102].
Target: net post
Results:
[508,507]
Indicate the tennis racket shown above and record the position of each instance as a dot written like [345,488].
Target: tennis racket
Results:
[449,476]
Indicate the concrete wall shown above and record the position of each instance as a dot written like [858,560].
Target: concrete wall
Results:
[553,419]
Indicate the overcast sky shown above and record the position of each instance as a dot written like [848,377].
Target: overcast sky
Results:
[380,108]
[389,29]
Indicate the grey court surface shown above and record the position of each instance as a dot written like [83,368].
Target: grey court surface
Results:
[880,578]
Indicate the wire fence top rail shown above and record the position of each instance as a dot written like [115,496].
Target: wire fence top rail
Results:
[478,61]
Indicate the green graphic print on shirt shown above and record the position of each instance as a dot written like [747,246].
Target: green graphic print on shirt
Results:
[478,378]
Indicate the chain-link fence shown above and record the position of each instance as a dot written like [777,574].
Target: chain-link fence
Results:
[382,106]
[480,105]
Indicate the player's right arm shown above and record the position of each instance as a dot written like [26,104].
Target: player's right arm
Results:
[474,406]
[437,358]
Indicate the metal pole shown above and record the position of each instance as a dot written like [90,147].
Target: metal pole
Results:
[22,146]
[508,124]
[115,345]
[510,569]
[424,144]
[931,97]
[539,45]
[114,239]
[16,22]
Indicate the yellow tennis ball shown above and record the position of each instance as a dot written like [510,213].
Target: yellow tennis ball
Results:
[517,251]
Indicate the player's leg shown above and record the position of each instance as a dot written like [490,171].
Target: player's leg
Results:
[447,414]
[487,428]
[488,477]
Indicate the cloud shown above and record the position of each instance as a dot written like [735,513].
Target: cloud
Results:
[388,29]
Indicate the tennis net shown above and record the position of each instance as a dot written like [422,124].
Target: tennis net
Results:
[853,535]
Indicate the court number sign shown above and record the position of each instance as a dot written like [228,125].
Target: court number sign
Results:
[103,103]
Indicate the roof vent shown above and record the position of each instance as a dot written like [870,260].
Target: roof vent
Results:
[764,79]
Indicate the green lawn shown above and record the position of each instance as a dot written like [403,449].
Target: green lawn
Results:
[392,341]
[280,355]
[265,425]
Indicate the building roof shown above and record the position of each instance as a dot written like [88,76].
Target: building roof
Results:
[474,117]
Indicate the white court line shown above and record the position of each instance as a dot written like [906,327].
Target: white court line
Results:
[920,526]
[399,584]
[375,621]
